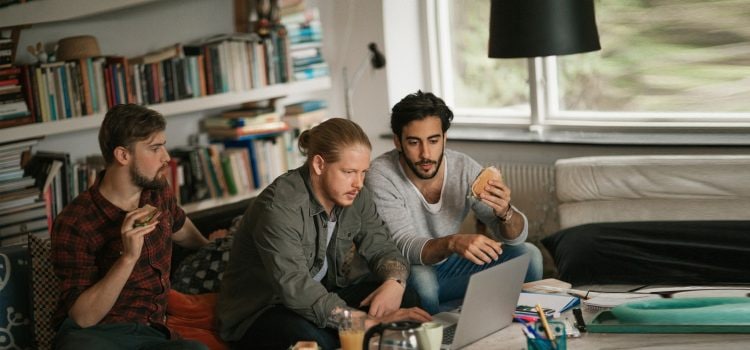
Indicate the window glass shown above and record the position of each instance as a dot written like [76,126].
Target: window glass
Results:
[663,55]
[476,80]
[686,59]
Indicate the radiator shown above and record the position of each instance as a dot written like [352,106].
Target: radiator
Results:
[533,192]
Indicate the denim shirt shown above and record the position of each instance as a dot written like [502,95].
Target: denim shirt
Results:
[280,246]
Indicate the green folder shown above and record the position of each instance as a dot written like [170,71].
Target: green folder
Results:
[681,315]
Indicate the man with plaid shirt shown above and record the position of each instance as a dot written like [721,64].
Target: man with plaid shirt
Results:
[114,274]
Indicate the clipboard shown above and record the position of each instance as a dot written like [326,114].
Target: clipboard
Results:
[688,315]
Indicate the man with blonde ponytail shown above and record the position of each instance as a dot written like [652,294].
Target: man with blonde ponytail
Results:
[312,246]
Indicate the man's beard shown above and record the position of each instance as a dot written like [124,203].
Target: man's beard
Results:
[415,166]
[157,183]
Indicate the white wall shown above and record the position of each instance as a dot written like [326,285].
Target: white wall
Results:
[349,26]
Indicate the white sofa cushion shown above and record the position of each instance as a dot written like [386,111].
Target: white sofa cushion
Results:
[649,188]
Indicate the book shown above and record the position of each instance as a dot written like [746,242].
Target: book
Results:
[18,198]
[306,120]
[13,110]
[24,227]
[233,122]
[16,184]
[32,211]
[169,52]
[305,106]
[11,174]
[555,304]
[239,132]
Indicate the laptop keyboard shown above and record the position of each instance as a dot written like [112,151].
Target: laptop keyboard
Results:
[448,334]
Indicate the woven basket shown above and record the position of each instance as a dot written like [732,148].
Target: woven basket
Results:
[77,47]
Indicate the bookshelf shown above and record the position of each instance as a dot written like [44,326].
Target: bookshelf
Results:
[206,204]
[169,109]
[60,18]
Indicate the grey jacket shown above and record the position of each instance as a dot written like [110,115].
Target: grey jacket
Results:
[280,246]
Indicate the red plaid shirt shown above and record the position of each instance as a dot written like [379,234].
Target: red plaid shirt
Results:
[86,242]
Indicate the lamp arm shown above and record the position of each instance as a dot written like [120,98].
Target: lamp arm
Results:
[351,86]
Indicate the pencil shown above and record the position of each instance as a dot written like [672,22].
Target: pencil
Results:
[547,330]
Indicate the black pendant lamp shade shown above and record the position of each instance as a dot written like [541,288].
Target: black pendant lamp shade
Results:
[536,28]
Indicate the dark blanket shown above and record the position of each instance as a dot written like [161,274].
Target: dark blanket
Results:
[670,252]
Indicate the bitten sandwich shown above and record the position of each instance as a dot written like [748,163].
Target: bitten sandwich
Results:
[148,219]
[487,174]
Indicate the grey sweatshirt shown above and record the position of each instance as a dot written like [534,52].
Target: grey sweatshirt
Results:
[412,221]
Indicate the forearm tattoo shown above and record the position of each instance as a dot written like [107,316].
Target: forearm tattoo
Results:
[393,269]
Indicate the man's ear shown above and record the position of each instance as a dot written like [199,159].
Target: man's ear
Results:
[397,142]
[122,155]
[318,164]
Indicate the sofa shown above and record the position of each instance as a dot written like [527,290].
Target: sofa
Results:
[28,286]
[652,219]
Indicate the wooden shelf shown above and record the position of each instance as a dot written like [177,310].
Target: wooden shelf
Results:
[218,202]
[169,108]
[45,11]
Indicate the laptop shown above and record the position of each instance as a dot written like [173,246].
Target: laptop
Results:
[488,305]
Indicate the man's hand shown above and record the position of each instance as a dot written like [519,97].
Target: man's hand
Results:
[132,237]
[386,299]
[479,249]
[411,314]
[497,196]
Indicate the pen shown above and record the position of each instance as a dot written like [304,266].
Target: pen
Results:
[529,330]
[526,318]
[547,330]
[580,323]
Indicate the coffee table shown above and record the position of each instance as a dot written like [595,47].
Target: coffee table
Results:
[512,338]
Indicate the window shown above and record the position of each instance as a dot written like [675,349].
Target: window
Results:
[663,63]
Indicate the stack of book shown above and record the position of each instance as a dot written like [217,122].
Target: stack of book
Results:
[301,116]
[552,304]
[259,130]
[53,172]
[22,210]
[13,108]
[305,34]
[244,123]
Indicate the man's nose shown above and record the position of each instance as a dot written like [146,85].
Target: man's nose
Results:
[165,156]
[359,181]
[424,151]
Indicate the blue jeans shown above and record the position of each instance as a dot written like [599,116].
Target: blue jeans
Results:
[125,336]
[446,282]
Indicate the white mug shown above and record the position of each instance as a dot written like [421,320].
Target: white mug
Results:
[431,335]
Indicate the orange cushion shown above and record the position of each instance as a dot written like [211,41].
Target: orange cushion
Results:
[192,316]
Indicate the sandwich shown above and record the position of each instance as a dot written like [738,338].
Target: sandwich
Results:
[148,219]
[487,174]
[305,345]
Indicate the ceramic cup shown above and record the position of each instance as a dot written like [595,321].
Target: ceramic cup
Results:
[431,334]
